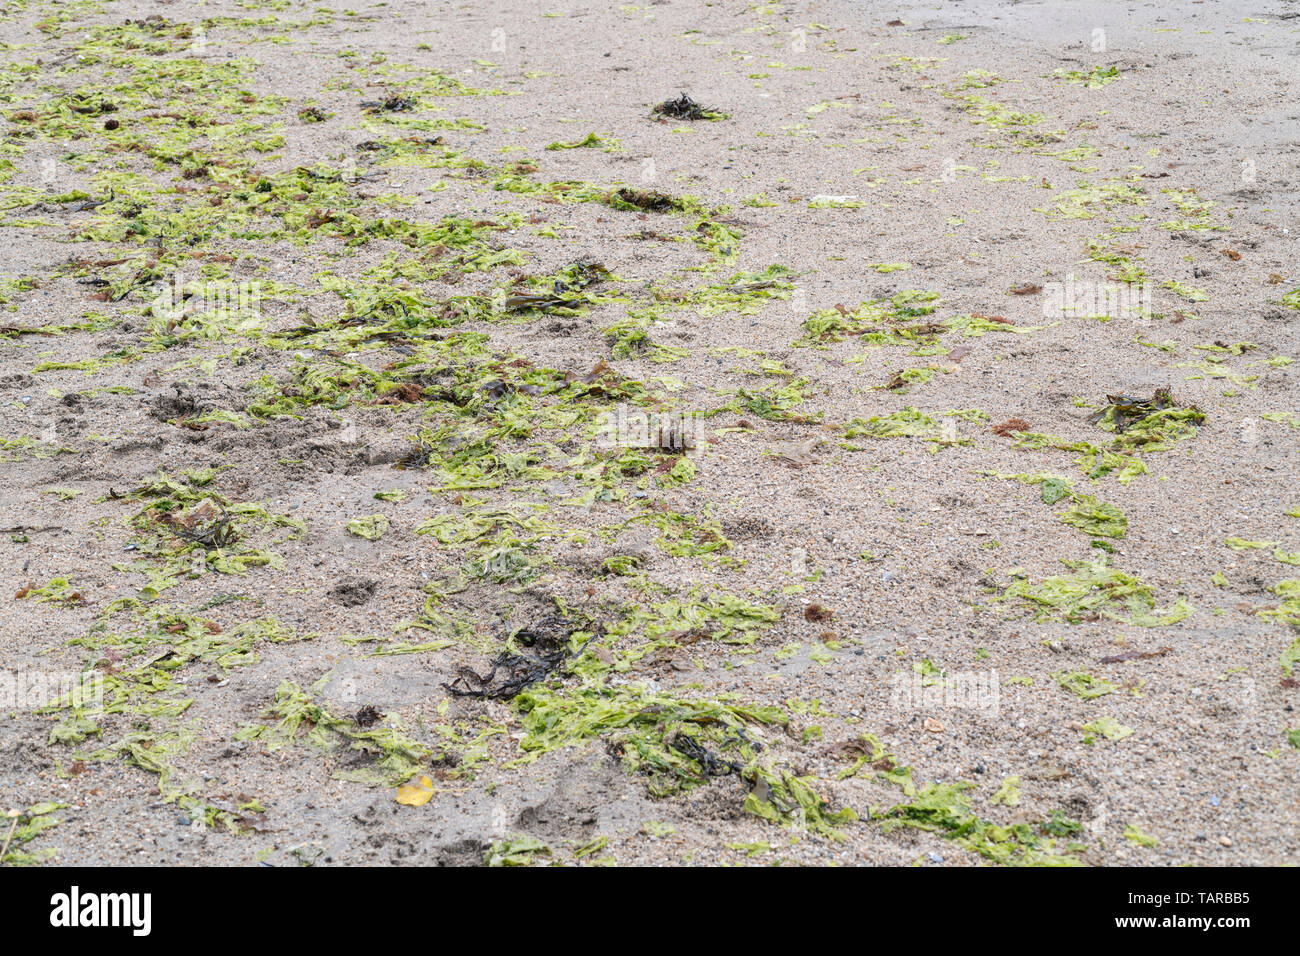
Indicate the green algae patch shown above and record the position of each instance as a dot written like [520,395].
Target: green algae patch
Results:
[1107,727]
[832,325]
[1133,833]
[1195,212]
[1095,517]
[370,527]
[1146,425]
[1008,793]
[142,683]
[21,827]
[1095,462]
[1243,544]
[1288,612]
[58,591]
[1084,685]
[946,809]
[723,617]
[393,757]
[590,141]
[1089,199]
[516,851]
[1093,79]
[783,798]
[1087,513]
[910,422]
[187,529]
[677,744]
[1095,590]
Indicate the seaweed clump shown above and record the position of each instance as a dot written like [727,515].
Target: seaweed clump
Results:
[649,200]
[685,108]
[944,809]
[1093,591]
[1148,424]
[549,647]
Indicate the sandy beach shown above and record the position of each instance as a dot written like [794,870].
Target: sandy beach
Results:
[665,434]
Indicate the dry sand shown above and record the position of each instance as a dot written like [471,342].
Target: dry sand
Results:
[885,557]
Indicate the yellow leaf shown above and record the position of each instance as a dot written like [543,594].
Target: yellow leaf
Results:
[415,793]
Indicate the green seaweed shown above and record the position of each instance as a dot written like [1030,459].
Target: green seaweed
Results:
[1095,590]
[945,809]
